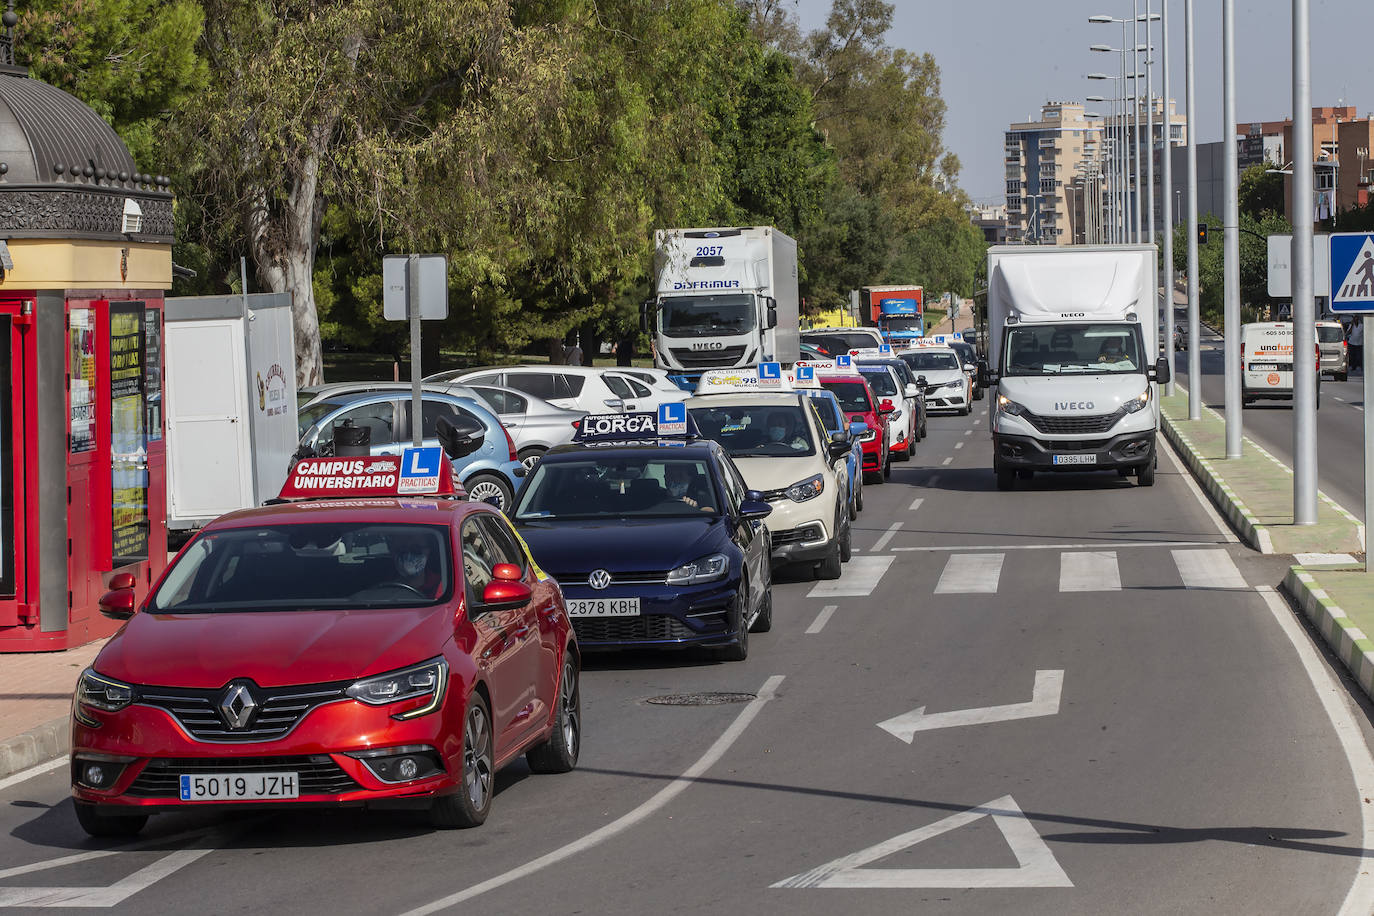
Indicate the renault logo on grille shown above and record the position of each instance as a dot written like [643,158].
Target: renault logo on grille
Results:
[237,706]
[599,579]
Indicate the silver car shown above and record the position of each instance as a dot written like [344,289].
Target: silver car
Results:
[534,424]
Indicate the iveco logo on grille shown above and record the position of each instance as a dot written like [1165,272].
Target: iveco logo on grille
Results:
[708,345]
[237,706]
[599,579]
[1074,405]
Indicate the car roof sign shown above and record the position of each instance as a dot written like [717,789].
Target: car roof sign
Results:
[767,377]
[671,421]
[415,472]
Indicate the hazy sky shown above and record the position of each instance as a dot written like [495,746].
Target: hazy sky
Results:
[1000,60]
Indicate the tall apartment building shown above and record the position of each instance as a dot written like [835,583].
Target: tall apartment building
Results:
[1340,179]
[1059,175]
[1042,160]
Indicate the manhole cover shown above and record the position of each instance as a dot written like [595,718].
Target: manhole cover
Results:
[701,699]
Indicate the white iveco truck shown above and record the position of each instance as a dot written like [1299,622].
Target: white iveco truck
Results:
[725,298]
[1074,352]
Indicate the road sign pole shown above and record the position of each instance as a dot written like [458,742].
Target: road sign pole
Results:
[413,313]
[1368,464]
[1304,315]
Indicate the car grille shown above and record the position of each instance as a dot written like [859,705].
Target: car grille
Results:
[631,629]
[1092,423]
[318,773]
[278,711]
[693,359]
[645,577]
[1074,445]
[794,535]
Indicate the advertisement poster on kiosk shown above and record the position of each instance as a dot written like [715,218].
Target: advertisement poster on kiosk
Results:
[128,447]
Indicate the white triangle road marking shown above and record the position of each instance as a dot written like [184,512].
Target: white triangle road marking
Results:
[1035,866]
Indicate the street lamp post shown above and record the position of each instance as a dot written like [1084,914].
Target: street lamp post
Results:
[1304,312]
[1231,234]
[1194,350]
[1166,183]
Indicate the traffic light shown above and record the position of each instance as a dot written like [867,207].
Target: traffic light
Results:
[1202,233]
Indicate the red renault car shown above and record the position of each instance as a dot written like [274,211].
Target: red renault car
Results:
[349,646]
[861,406]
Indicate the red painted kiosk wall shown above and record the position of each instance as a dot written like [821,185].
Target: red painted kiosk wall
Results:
[114,473]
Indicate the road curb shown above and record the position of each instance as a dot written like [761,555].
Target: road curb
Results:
[1349,642]
[1222,496]
[37,745]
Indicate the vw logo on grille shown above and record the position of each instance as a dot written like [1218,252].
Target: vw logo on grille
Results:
[599,579]
[237,705]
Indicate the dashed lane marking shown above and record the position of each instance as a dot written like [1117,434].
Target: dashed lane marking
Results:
[821,619]
[971,574]
[887,536]
[858,579]
[948,460]
[915,504]
[959,444]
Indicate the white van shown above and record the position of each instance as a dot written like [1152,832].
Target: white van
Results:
[1267,363]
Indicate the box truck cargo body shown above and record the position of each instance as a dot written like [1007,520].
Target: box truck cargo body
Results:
[725,298]
[1074,352]
[898,312]
[231,403]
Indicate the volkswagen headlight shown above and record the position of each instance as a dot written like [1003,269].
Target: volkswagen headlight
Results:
[1138,402]
[103,693]
[869,436]
[426,679]
[707,569]
[1007,406]
[806,489]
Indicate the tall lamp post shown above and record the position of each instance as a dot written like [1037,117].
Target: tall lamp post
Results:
[1231,234]
[1134,21]
[1106,150]
[1167,183]
[1304,311]
[1123,151]
[1194,351]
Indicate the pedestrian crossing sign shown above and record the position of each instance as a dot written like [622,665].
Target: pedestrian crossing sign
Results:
[1352,272]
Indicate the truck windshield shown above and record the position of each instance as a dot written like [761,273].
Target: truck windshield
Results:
[1073,349]
[706,316]
[902,323]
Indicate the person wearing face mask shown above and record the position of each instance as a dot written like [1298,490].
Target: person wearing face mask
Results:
[780,432]
[415,566]
[1111,351]
[684,485]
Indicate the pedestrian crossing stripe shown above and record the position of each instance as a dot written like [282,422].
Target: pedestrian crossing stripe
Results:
[1352,271]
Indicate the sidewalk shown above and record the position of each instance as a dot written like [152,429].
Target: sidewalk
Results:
[1255,492]
[35,704]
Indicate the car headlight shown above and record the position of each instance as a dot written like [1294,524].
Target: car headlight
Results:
[869,436]
[1008,406]
[955,384]
[806,489]
[707,569]
[103,693]
[1138,402]
[426,679]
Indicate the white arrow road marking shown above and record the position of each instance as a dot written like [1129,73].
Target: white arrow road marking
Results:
[1044,702]
[1036,866]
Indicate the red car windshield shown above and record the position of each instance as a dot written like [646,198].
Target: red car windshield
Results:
[853,396]
[302,567]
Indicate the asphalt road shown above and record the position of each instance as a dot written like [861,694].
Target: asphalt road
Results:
[1340,423]
[1086,707]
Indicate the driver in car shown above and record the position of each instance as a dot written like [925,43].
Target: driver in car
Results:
[416,567]
[687,486]
[780,431]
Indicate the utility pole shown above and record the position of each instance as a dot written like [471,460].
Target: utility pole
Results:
[1167,182]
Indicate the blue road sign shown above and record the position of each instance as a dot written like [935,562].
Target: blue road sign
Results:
[1352,272]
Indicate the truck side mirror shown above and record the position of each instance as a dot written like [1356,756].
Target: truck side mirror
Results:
[1163,371]
[983,375]
[646,316]
[772,312]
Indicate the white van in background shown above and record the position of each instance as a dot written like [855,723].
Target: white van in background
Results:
[1267,363]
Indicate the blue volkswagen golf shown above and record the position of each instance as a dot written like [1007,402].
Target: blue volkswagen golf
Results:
[655,540]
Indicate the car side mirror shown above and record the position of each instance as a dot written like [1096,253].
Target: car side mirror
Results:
[754,509]
[921,382]
[856,430]
[1163,371]
[911,390]
[886,407]
[646,315]
[457,443]
[119,602]
[505,595]
[506,572]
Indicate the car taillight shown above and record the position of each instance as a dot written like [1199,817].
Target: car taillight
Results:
[510,444]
